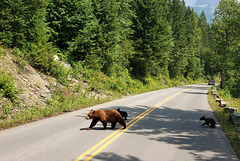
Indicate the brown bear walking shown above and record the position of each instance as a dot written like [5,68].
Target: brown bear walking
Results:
[105,116]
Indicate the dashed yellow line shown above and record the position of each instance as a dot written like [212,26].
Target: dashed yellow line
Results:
[109,139]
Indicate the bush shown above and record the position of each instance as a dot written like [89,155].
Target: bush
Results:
[3,51]
[7,88]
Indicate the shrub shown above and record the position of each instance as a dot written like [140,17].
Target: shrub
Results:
[2,50]
[7,88]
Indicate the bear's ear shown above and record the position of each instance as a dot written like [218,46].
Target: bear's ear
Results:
[93,111]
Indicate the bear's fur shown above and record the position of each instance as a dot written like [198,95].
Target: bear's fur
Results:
[208,121]
[123,113]
[105,116]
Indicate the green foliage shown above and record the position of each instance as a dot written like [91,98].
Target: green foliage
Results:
[71,20]
[3,51]
[19,59]
[61,72]
[151,36]
[232,131]
[22,25]
[144,36]
[186,56]
[205,51]
[21,21]
[226,44]
[178,57]
[112,46]
[7,88]
[40,56]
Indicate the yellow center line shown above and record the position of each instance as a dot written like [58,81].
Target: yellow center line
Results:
[130,123]
[108,137]
[101,142]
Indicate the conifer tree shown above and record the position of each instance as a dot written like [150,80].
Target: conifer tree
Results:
[112,46]
[178,60]
[23,25]
[71,20]
[192,51]
[206,53]
[152,36]
[22,22]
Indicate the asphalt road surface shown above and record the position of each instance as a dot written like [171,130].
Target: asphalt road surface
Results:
[162,125]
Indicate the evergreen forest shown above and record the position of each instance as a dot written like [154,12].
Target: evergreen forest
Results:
[126,39]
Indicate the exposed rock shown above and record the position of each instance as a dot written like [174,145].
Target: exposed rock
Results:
[33,85]
[230,110]
[235,118]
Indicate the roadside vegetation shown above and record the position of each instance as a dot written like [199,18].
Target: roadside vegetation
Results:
[84,89]
[232,131]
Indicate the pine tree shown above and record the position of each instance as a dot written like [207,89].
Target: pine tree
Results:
[71,20]
[178,61]
[152,36]
[207,56]
[112,46]
[23,25]
[23,22]
[192,51]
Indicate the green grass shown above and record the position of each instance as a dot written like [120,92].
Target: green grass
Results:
[231,131]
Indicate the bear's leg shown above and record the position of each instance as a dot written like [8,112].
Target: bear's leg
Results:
[94,122]
[104,124]
[113,125]
[204,124]
[122,122]
[212,125]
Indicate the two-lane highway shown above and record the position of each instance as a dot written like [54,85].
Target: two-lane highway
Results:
[162,125]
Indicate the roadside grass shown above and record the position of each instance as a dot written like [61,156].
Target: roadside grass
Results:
[232,131]
[13,116]
[88,88]
[100,88]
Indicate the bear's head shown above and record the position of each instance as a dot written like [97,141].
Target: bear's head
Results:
[202,118]
[90,114]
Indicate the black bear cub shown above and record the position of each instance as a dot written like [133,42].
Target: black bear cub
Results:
[208,121]
[123,113]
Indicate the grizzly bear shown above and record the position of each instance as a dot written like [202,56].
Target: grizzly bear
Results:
[208,121]
[105,116]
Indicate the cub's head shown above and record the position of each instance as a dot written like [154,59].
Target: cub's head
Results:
[202,118]
[90,114]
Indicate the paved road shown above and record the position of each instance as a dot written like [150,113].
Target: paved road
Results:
[162,125]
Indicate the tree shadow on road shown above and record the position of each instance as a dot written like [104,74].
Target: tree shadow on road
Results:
[183,129]
[115,157]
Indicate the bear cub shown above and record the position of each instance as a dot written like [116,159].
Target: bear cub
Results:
[123,113]
[208,121]
[105,116]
